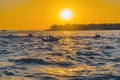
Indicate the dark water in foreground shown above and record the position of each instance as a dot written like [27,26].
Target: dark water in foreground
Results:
[80,57]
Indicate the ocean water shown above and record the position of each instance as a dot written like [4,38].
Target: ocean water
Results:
[76,56]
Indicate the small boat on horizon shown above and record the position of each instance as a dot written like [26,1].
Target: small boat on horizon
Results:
[97,36]
[30,35]
[50,39]
[16,36]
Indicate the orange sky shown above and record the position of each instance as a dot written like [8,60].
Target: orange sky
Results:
[40,14]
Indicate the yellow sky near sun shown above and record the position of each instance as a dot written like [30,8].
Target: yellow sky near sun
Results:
[40,14]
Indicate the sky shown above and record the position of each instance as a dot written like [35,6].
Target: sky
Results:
[41,14]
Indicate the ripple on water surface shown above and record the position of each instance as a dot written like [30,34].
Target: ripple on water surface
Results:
[71,58]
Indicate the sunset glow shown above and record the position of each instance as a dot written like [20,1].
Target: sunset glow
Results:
[66,14]
[41,14]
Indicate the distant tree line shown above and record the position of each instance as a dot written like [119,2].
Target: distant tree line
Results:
[55,27]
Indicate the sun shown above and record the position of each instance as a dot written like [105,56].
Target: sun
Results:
[66,14]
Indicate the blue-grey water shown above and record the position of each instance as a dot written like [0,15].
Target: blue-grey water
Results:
[76,56]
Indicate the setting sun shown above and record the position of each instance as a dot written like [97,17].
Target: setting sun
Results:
[59,39]
[66,14]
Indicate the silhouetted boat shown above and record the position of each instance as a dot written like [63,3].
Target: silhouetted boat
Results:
[11,36]
[30,35]
[97,36]
[50,39]
[15,36]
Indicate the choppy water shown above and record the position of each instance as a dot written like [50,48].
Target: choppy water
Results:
[77,57]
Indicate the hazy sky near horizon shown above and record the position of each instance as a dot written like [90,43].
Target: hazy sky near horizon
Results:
[40,14]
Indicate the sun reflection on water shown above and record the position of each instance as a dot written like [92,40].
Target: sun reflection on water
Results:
[71,57]
[61,71]
[67,33]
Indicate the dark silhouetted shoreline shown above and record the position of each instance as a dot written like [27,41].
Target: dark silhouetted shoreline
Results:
[70,27]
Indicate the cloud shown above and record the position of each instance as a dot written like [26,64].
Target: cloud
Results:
[11,4]
[114,2]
